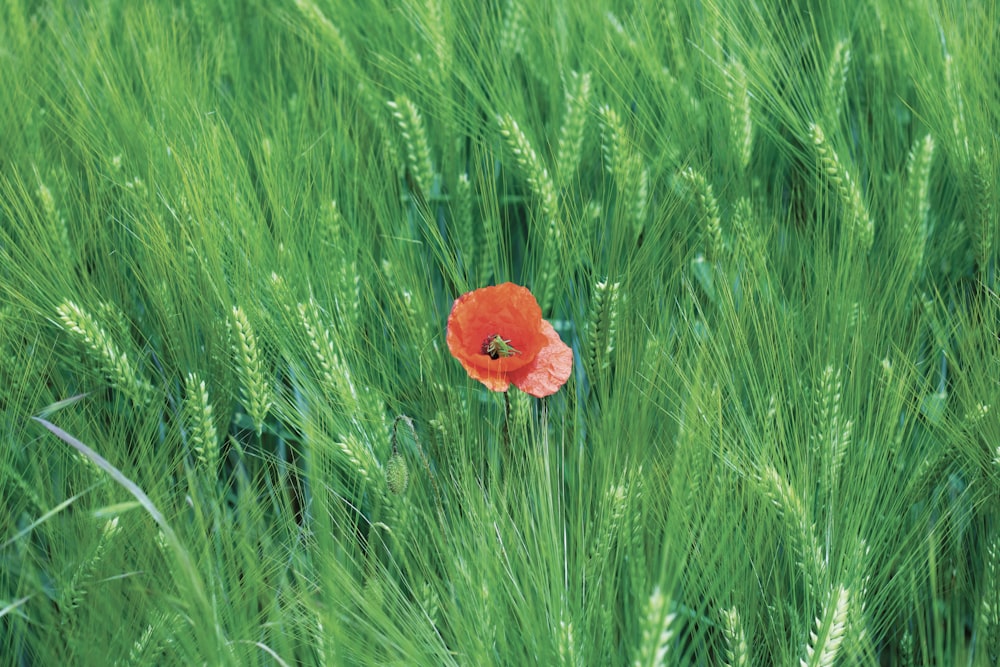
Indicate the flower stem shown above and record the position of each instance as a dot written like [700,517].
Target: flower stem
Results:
[506,421]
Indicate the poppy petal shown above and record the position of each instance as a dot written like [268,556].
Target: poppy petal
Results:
[551,369]
[507,310]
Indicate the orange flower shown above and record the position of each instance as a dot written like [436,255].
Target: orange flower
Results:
[499,336]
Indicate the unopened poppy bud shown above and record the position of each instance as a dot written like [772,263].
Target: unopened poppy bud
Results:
[397,475]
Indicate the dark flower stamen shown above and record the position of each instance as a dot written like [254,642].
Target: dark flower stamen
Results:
[496,346]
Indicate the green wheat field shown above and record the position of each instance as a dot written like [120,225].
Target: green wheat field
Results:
[231,233]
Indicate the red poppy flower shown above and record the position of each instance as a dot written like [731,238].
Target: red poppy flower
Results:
[499,336]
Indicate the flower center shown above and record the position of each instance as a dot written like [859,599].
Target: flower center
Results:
[495,346]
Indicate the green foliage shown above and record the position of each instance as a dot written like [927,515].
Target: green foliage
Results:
[230,237]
